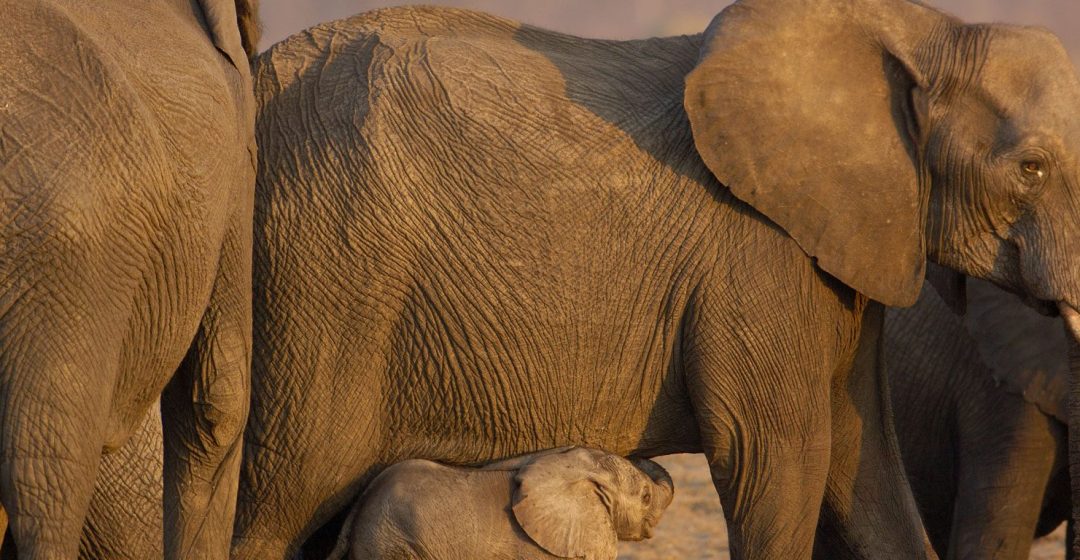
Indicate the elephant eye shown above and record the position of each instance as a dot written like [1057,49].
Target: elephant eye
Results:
[1033,170]
[646,497]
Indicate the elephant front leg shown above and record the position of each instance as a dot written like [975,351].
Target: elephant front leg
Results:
[766,438]
[1006,457]
[869,509]
[204,409]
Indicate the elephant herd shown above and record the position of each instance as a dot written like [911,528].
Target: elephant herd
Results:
[235,288]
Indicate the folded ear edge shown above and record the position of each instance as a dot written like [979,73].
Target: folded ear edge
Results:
[950,285]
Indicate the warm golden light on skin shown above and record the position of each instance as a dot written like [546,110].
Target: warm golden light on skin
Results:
[627,19]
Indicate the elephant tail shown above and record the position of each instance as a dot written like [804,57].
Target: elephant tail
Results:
[247,18]
[341,549]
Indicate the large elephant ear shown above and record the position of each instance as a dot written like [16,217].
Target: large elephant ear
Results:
[1026,352]
[559,504]
[234,28]
[813,112]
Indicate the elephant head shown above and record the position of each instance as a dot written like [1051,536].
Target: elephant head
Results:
[656,490]
[882,133]
[578,503]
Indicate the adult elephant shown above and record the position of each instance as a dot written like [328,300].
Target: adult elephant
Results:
[980,408]
[476,239]
[127,176]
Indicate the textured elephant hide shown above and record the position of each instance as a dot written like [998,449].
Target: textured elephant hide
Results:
[1025,351]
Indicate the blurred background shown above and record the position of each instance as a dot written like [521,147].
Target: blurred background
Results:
[692,528]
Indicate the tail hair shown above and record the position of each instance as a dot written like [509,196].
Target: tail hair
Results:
[247,18]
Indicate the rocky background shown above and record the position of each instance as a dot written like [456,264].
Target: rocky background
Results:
[693,527]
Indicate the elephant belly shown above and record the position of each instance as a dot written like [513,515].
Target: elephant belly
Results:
[473,375]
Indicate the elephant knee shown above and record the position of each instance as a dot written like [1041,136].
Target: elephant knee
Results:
[223,413]
[222,389]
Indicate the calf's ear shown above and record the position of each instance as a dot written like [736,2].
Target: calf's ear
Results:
[559,504]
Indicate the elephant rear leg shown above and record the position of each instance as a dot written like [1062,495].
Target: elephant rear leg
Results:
[52,440]
[204,409]
[124,519]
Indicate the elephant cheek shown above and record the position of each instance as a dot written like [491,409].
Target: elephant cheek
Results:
[1072,322]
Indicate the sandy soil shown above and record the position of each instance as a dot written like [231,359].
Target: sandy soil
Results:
[693,526]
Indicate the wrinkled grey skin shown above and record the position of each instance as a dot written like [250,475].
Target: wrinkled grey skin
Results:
[988,467]
[1072,320]
[126,177]
[553,504]
[124,519]
[476,239]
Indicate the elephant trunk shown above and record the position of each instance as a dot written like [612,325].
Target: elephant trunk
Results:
[1072,321]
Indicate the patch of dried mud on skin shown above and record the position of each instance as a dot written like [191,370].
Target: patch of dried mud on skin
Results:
[693,526]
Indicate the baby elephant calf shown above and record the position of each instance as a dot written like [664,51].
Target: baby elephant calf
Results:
[561,503]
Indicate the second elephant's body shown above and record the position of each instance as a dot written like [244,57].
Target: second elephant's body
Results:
[989,467]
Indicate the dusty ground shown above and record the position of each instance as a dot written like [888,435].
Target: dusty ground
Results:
[693,527]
